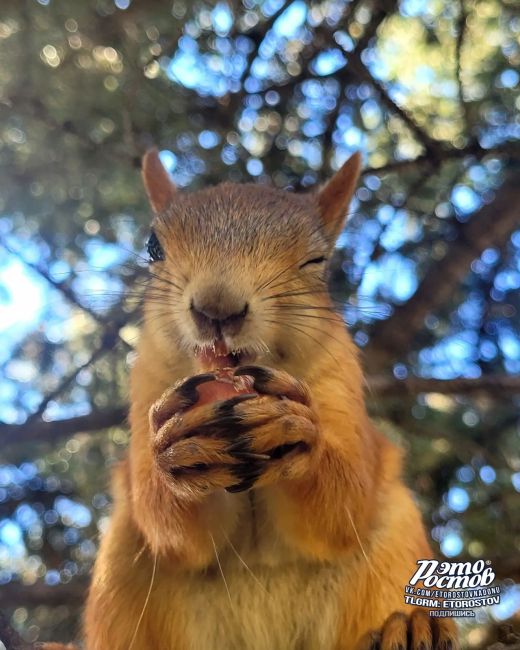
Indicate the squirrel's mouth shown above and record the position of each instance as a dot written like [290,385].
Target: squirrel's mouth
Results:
[217,356]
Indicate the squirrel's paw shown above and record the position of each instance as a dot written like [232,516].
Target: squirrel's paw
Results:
[249,439]
[280,424]
[187,448]
[417,631]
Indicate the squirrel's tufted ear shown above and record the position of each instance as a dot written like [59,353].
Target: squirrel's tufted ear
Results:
[334,198]
[157,182]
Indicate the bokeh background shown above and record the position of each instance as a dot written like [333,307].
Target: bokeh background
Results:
[277,92]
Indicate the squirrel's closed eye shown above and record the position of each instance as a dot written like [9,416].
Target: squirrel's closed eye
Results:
[154,248]
[314,260]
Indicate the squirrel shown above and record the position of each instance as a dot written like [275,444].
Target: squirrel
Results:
[269,514]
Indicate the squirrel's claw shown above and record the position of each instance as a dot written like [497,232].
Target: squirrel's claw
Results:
[269,381]
[177,398]
[247,440]
[417,631]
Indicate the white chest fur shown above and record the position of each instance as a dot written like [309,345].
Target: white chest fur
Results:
[262,596]
[295,609]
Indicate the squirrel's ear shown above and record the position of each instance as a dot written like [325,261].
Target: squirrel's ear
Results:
[334,198]
[157,182]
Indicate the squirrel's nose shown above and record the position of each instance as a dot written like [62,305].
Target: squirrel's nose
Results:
[216,312]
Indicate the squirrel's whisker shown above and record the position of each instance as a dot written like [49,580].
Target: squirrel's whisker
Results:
[288,268]
[149,593]
[221,570]
[354,528]
[256,579]
[297,329]
[316,329]
[330,319]
[319,228]
[285,294]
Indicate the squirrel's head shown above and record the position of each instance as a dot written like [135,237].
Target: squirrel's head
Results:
[238,272]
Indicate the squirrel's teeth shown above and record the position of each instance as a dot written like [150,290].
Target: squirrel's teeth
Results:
[215,357]
[235,358]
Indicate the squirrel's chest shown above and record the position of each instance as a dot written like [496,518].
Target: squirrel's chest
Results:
[259,596]
[290,608]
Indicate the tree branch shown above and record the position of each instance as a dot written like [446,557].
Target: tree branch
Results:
[433,147]
[14,594]
[496,385]
[111,333]
[323,37]
[61,287]
[109,339]
[10,639]
[257,35]
[459,43]
[393,338]
[65,383]
[509,148]
[50,432]
[378,386]
[414,190]
[380,10]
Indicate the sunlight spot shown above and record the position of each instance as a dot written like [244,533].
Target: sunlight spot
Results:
[458,499]
[452,545]
[291,20]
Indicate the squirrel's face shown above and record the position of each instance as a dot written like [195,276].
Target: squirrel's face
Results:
[238,271]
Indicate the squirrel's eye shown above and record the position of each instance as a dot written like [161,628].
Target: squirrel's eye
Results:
[315,260]
[154,248]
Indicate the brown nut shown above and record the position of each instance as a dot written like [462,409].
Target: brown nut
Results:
[224,386]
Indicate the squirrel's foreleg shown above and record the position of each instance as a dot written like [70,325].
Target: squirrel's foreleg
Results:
[174,481]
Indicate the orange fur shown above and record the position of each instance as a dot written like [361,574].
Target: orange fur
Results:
[317,553]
